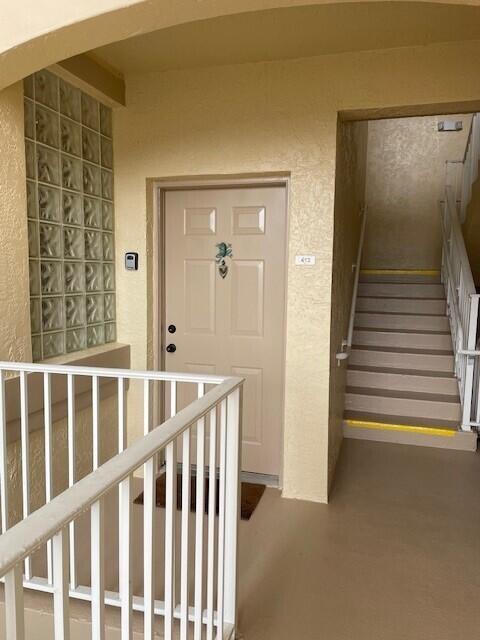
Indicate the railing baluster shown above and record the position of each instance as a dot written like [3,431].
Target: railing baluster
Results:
[61,619]
[14,612]
[3,455]
[232,503]
[149,547]
[173,398]
[146,407]
[124,526]
[25,458]
[47,415]
[125,557]
[199,518]
[212,508]
[170,512]
[98,570]
[148,524]
[221,521]
[71,468]
[185,535]
[95,422]
[122,424]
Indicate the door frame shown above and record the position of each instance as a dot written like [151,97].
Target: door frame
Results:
[156,191]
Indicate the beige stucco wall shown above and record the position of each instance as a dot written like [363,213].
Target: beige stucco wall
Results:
[350,177]
[405,182]
[83,440]
[56,29]
[278,116]
[15,341]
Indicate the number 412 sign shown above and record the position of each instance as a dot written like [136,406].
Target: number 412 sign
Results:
[305,261]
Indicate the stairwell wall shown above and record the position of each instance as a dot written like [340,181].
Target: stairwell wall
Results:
[405,182]
[350,177]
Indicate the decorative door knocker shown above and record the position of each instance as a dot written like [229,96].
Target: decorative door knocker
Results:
[224,251]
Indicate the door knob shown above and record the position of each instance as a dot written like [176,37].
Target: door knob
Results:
[172,328]
[171,348]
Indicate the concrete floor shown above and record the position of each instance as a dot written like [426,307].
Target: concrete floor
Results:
[394,556]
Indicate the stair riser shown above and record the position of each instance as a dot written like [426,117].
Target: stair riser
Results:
[418,361]
[417,409]
[462,441]
[401,278]
[403,340]
[401,323]
[397,305]
[400,290]
[402,382]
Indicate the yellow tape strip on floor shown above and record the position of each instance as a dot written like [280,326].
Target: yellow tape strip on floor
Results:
[409,428]
[401,272]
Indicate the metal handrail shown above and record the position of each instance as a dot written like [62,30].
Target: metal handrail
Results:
[347,342]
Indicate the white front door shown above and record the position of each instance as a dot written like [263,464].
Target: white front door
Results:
[225,271]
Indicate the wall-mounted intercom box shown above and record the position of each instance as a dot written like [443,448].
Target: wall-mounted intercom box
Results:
[131,261]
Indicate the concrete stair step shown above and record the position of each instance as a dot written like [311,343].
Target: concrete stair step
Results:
[402,381]
[419,406]
[417,306]
[408,431]
[400,420]
[401,290]
[399,322]
[403,340]
[384,358]
[398,275]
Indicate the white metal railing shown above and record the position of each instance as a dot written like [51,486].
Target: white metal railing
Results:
[211,608]
[462,306]
[461,174]
[347,342]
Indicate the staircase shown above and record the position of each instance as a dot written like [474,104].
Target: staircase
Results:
[400,380]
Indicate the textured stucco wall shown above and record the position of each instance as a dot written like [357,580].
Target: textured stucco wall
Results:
[56,30]
[83,439]
[14,286]
[349,201]
[405,182]
[278,116]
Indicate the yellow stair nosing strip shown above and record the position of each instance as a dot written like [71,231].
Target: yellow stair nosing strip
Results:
[408,428]
[402,272]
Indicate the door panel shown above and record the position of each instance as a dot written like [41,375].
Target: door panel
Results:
[229,311]
[247,284]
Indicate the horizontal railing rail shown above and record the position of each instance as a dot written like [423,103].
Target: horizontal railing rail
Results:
[213,604]
[102,372]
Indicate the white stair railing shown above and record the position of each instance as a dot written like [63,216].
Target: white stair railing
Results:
[211,610]
[462,308]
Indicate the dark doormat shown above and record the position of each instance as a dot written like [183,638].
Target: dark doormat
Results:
[251,495]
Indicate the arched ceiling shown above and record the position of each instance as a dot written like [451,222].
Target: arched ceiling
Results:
[32,37]
[292,32]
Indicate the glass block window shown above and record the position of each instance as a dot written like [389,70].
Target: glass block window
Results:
[69,156]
